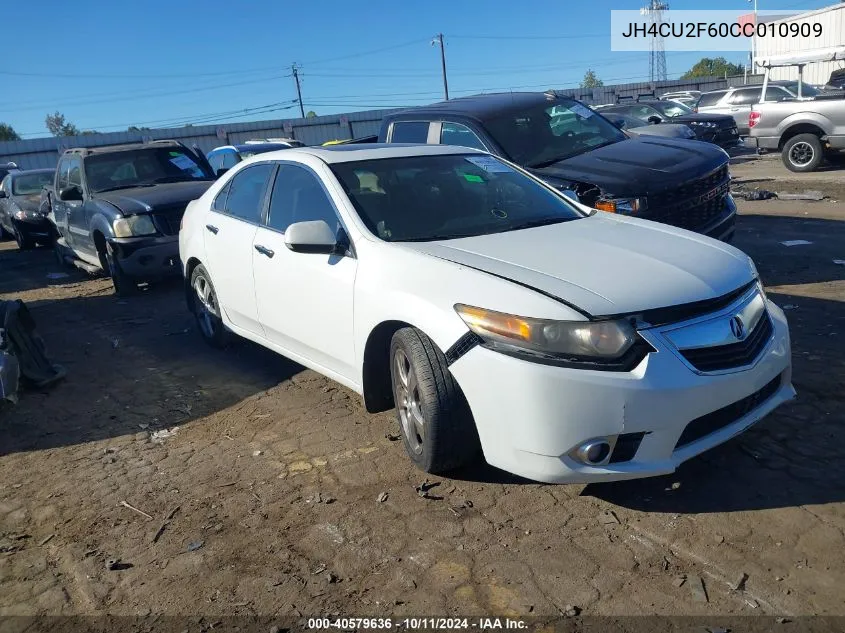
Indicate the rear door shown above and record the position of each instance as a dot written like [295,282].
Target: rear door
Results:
[304,299]
[229,231]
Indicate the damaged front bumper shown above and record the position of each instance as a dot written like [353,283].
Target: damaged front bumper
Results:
[148,257]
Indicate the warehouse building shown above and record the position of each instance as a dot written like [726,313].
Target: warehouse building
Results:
[832,21]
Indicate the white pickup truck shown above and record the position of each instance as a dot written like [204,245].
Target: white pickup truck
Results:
[804,130]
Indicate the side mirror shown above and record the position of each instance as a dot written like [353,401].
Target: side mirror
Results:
[221,171]
[654,119]
[314,236]
[619,123]
[71,194]
[3,194]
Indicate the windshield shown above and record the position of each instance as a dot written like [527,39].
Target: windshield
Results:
[541,135]
[670,108]
[140,167]
[28,184]
[424,198]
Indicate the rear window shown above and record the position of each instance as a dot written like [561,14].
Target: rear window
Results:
[29,184]
[409,132]
[710,98]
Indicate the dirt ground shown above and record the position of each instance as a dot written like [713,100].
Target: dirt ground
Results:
[273,476]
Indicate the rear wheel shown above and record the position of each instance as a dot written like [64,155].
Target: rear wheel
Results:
[803,152]
[206,309]
[437,427]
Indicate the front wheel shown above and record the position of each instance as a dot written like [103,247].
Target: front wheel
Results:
[24,241]
[803,152]
[438,431]
[124,285]
[206,309]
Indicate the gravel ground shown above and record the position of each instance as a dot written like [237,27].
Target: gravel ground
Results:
[285,498]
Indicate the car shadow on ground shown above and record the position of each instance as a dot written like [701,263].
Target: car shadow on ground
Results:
[21,271]
[159,372]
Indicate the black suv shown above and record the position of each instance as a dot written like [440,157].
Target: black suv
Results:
[680,182]
[118,208]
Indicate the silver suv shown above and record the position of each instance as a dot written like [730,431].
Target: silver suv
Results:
[737,101]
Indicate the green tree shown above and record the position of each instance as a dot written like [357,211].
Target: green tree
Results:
[713,67]
[59,126]
[590,80]
[7,133]
[310,114]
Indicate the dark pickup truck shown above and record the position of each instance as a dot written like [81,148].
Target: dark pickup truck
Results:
[680,182]
[118,208]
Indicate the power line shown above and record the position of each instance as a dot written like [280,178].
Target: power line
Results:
[132,76]
[370,52]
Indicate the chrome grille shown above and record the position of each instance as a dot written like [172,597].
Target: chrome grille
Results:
[739,354]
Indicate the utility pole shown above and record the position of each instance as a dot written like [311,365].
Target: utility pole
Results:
[298,90]
[439,40]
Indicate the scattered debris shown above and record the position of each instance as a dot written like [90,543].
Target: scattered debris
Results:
[718,538]
[332,578]
[382,497]
[789,306]
[393,437]
[115,343]
[796,242]
[319,498]
[665,564]
[739,585]
[608,517]
[57,275]
[571,611]
[716,629]
[143,427]
[815,196]
[167,520]
[163,434]
[195,545]
[134,509]
[699,591]
[423,490]
[257,453]
[783,620]
[46,540]
[679,581]
[755,194]
[752,603]
[320,569]
[675,485]
[115,564]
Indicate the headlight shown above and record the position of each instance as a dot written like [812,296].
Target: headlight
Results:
[20,215]
[584,343]
[133,226]
[624,206]
[708,124]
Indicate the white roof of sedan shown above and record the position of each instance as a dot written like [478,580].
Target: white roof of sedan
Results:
[368,151]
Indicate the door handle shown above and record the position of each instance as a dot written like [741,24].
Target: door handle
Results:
[734,109]
[264,250]
[212,228]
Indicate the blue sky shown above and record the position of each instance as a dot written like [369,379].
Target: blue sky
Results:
[108,65]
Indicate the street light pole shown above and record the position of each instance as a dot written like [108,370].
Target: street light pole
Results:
[439,40]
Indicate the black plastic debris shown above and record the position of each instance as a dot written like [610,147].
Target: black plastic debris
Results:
[23,358]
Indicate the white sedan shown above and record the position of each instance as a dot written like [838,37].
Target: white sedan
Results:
[493,312]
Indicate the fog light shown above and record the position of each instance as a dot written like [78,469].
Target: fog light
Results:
[593,452]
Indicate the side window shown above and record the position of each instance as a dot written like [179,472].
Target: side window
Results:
[298,197]
[62,170]
[215,160]
[230,159]
[774,93]
[219,203]
[457,134]
[74,172]
[710,99]
[246,192]
[746,97]
[409,132]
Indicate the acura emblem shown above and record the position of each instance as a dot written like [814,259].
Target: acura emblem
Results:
[738,327]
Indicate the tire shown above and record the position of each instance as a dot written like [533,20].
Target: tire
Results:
[803,152]
[206,309]
[24,241]
[438,431]
[124,285]
[4,234]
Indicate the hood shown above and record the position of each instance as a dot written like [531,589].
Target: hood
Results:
[145,199]
[604,264]
[668,130]
[31,202]
[722,120]
[641,166]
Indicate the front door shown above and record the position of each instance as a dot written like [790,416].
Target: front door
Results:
[304,300]
[229,231]
[77,216]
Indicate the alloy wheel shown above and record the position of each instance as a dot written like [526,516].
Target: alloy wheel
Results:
[407,393]
[801,154]
[206,305]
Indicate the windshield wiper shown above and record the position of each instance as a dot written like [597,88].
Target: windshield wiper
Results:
[135,186]
[530,224]
[434,238]
[164,179]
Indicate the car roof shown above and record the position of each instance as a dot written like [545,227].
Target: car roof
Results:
[255,147]
[482,106]
[17,173]
[108,149]
[366,151]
